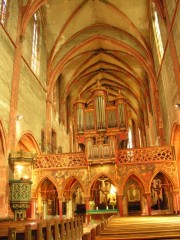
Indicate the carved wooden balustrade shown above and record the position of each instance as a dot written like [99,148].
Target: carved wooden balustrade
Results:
[124,156]
[148,154]
[66,160]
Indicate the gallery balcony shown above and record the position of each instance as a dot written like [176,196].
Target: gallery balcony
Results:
[131,156]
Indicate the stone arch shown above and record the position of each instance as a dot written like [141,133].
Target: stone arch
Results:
[72,181]
[162,190]
[73,196]
[133,189]
[3,145]
[28,143]
[173,181]
[41,180]
[136,177]
[47,195]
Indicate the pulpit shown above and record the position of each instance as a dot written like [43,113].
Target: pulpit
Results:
[20,182]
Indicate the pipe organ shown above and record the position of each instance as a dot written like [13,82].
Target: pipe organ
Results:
[101,126]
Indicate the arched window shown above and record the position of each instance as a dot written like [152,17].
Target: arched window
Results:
[35,61]
[3,11]
[140,137]
[157,34]
[130,142]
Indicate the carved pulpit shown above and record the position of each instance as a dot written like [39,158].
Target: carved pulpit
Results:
[20,182]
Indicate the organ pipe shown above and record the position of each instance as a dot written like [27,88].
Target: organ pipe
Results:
[79,116]
[100,96]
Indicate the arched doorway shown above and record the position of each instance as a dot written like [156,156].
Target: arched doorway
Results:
[133,197]
[47,200]
[74,198]
[161,194]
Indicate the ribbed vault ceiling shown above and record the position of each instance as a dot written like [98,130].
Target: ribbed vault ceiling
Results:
[107,40]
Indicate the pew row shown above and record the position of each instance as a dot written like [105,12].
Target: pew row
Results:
[65,229]
[141,228]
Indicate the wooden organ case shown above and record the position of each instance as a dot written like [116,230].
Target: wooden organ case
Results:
[102,126]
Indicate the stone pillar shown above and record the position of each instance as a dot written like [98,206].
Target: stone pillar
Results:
[60,207]
[33,208]
[44,209]
[120,204]
[69,210]
[148,197]
[176,201]
[87,208]
[14,92]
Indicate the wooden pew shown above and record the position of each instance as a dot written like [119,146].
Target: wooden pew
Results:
[66,229]
[141,228]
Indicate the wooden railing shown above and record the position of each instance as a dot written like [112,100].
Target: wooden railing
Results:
[148,155]
[67,160]
[124,156]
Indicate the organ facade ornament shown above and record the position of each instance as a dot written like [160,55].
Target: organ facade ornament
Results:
[101,124]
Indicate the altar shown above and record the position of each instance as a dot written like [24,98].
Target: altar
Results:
[100,215]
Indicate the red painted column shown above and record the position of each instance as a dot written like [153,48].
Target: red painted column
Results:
[120,204]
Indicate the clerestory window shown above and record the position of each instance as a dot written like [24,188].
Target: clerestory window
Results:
[35,61]
[157,34]
[3,11]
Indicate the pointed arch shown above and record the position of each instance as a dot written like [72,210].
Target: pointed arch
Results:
[28,143]
[30,9]
[40,182]
[70,181]
[174,182]
[161,189]
[136,177]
